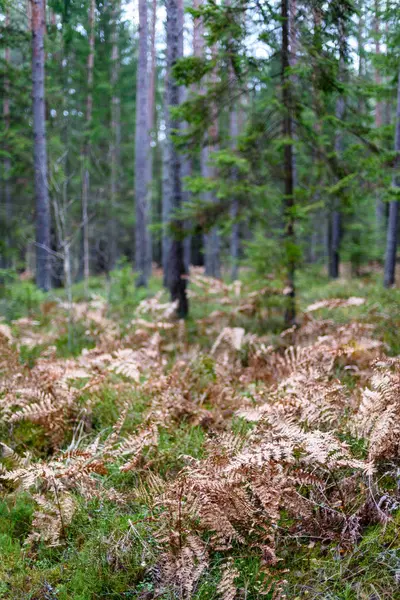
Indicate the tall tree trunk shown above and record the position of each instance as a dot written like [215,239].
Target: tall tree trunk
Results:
[186,163]
[185,166]
[152,74]
[234,242]
[186,171]
[391,242]
[142,147]
[152,115]
[115,149]
[7,160]
[29,14]
[40,149]
[198,51]
[334,241]
[336,217]
[293,54]
[86,150]
[212,238]
[380,205]
[387,107]
[290,314]
[176,264]
[166,193]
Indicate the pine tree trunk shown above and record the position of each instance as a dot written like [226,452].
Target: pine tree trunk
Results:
[176,264]
[198,51]
[186,163]
[65,60]
[86,151]
[334,243]
[185,168]
[186,171]
[391,241]
[29,11]
[380,205]
[336,217]
[40,149]
[166,195]
[152,115]
[7,160]
[293,52]
[234,245]
[212,238]
[142,152]
[288,160]
[115,149]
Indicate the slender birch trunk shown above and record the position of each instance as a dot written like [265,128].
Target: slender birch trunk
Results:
[40,148]
[142,151]
[391,240]
[86,151]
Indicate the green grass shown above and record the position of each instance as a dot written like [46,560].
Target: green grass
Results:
[100,559]
[369,570]
[381,307]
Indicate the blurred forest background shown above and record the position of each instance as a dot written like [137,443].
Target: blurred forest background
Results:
[217,134]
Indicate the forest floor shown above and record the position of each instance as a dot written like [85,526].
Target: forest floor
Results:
[223,457]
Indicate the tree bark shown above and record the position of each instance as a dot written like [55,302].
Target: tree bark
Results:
[391,242]
[86,150]
[115,149]
[334,242]
[336,217]
[176,264]
[380,211]
[186,171]
[198,51]
[290,313]
[142,147]
[234,242]
[186,163]
[185,166]
[212,238]
[166,194]
[152,115]
[40,149]
[7,160]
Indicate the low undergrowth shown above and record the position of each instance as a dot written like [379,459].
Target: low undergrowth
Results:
[223,457]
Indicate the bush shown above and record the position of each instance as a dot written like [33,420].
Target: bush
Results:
[19,298]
